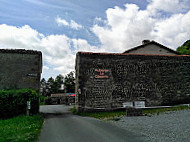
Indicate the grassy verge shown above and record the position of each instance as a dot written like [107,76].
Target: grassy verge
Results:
[114,115]
[152,111]
[21,128]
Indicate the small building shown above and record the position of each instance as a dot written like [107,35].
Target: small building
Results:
[20,69]
[149,75]
[62,98]
[151,48]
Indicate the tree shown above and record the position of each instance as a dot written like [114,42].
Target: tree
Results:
[185,48]
[58,83]
[50,85]
[53,86]
[43,87]
[69,82]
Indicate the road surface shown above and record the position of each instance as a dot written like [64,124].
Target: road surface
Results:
[61,126]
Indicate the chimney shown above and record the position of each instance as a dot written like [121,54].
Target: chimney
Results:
[145,42]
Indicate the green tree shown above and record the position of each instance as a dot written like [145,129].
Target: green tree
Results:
[69,82]
[58,83]
[43,87]
[51,85]
[185,48]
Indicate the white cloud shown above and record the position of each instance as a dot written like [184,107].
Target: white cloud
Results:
[83,45]
[61,22]
[75,25]
[56,49]
[45,67]
[72,24]
[173,6]
[127,27]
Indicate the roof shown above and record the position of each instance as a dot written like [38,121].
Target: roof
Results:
[151,42]
[62,94]
[127,54]
[20,51]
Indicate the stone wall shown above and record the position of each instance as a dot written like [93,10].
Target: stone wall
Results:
[105,81]
[20,69]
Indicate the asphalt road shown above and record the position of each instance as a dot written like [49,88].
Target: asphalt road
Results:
[61,126]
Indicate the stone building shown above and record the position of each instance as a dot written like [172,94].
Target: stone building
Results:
[20,69]
[62,98]
[151,73]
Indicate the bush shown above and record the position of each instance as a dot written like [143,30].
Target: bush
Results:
[42,100]
[14,102]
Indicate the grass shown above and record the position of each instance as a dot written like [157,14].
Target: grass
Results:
[152,111]
[21,128]
[115,115]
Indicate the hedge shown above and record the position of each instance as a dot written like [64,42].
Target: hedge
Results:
[14,102]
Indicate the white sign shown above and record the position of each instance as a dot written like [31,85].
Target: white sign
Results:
[128,104]
[139,104]
[28,105]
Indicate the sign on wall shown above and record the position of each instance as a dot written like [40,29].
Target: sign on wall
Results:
[101,73]
[128,104]
[139,104]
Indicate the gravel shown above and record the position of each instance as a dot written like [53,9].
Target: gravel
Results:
[166,127]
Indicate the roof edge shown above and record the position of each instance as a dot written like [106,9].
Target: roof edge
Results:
[20,51]
[152,42]
[127,54]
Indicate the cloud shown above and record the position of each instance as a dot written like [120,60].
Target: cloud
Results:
[173,6]
[72,24]
[61,22]
[45,67]
[127,27]
[56,49]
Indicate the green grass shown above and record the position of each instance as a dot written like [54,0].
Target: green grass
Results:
[115,115]
[152,111]
[104,115]
[21,128]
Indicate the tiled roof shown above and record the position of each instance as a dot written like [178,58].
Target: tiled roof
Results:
[152,42]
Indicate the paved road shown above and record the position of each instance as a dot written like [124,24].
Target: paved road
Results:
[62,126]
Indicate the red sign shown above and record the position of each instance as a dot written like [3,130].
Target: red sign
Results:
[101,73]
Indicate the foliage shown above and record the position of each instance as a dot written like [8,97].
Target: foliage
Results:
[14,102]
[43,99]
[21,128]
[69,82]
[52,86]
[185,48]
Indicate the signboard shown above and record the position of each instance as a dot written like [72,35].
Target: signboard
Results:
[28,105]
[101,73]
[139,104]
[128,104]
[32,75]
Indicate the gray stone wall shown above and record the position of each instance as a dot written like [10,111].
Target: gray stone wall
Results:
[105,81]
[20,69]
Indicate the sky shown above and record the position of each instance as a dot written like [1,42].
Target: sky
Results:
[61,28]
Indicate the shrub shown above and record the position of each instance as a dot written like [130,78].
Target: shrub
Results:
[14,102]
[42,100]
